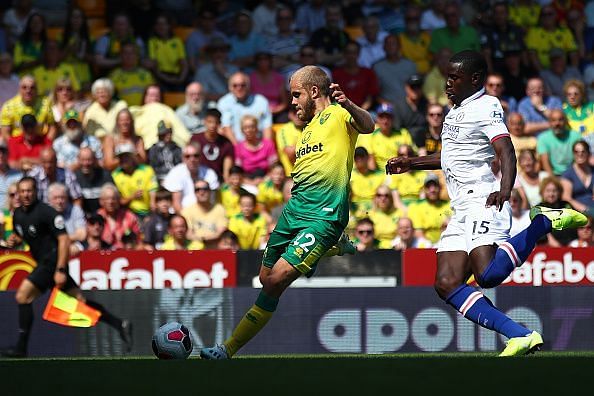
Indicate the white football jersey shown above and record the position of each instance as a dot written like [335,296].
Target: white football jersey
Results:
[467,152]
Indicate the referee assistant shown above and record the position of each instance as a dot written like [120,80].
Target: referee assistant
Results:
[43,229]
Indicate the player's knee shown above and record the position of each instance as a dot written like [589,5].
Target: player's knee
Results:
[273,284]
[445,285]
[487,281]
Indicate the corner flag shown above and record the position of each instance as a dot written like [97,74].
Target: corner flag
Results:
[68,311]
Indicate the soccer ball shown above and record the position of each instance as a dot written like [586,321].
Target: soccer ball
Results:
[172,341]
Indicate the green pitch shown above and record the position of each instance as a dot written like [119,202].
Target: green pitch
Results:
[362,375]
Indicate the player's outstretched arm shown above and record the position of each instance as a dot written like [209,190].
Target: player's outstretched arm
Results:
[398,165]
[362,119]
[507,156]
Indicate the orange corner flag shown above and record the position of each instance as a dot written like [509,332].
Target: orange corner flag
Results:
[68,311]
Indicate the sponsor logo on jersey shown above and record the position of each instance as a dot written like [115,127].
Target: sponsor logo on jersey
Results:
[32,230]
[324,118]
[59,222]
[450,130]
[459,116]
[304,150]
[496,117]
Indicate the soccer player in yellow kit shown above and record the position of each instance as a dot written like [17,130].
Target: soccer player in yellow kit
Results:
[315,217]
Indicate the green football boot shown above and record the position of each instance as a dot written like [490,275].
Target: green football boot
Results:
[519,346]
[561,219]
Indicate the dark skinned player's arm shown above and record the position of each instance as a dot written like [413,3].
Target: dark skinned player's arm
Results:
[426,162]
[507,156]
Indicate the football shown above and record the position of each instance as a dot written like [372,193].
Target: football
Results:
[172,341]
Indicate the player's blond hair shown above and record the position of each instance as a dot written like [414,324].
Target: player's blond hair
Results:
[313,76]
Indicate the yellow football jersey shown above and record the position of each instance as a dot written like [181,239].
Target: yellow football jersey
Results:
[130,84]
[249,233]
[384,147]
[143,178]
[429,217]
[167,53]
[286,136]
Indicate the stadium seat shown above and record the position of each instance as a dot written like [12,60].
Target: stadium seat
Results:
[174,99]
[92,8]
[354,32]
[182,32]
[54,33]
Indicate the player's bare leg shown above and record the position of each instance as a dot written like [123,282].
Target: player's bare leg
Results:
[274,281]
[25,295]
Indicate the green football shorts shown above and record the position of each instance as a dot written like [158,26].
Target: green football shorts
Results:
[302,242]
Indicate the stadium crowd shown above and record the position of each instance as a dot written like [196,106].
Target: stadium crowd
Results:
[168,125]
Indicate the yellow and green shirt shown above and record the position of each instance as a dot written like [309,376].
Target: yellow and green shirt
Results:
[14,109]
[363,187]
[46,79]
[429,217]
[269,195]
[409,185]
[324,160]
[130,84]
[167,53]
[580,119]
[384,147]
[542,41]
[26,52]
[143,178]
[229,200]
[286,136]
[169,244]
[385,225]
[249,233]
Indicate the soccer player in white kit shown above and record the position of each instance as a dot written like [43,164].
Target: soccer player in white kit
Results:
[476,240]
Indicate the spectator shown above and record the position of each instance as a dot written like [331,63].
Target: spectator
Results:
[495,86]
[307,56]
[516,73]
[525,13]
[167,56]
[516,127]
[577,180]
[228,241]
[286,138]
[285,44]
[584,236]
[559,73]
[311,16]
[576,22]
[432,142]
[197,41]
[15,20]
[217,151]
[386,139]
[52,69]
[270,195]
[100,118]
[529,177]
[365,236]
[254,153]
[214,74]
[206,220]
[77,46]
[430,214]
[6,216]
[551,195]
[74,138]
[8,176]
[63,99]
[153,111]
[231,190]
[49,172]
[91,177]
[165,154]
[265,17]
[239,102]
[384,216]
[414,41]
[180,180]
[154,227]
[577,108]
[269,83]
[410,112]
[393,71]
[124,132]
[359,83]
[364,183]
[95,225]
[536,107]
[121,224]
[9,81]
[24,150]
[541,39]
[406,238]
[407,187]
[554,146]
[27,101]
[130,79]
[176,238]
[371,42]
[109,46]
[436,78]
[137,183]
[501,35]
[74,217]
[245,43]
[250,227]
[520,215]
[454,36]
[193,111]
[27,49]
[433,17]
[329,40]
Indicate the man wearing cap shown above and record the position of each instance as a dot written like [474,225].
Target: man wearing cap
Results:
[24,150]
[214,74]
[72,140]
[409,112]
[383,143]
[430,214]
[137,183]
[164,154]
[27,101]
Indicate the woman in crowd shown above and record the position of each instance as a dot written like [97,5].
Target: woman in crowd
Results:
[529,177]
[385,217]
[520,215]
[27,50]
[550,192]
[584,236]
[255,154]
[77,46]
[577,181]
[63,99]
[100,118]
[266,81]
[123,133]
[577,108]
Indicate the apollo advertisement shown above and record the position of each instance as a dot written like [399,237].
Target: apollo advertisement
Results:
[544,267]
[316,320]
[128,269]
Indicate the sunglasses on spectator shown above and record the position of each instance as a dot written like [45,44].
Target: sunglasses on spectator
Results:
[365,232]
[191,155]
[435,114]
[241,85]
[196,189]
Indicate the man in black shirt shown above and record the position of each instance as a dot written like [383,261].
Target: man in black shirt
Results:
[44,230]
[91,178]
[410,111]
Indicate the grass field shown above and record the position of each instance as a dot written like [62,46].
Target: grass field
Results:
[389,374]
